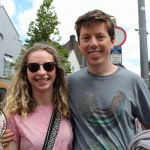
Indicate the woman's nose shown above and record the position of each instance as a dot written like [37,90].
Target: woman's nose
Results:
[41,70]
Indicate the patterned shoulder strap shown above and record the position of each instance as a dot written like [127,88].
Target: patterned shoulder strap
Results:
[52,132]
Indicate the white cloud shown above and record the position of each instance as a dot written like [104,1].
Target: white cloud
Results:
[26,16]
[9,6]
[130,49]
[121,9]
[23,21]
[132,67]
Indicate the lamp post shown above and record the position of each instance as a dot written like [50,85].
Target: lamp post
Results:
[143,42]
[138,30]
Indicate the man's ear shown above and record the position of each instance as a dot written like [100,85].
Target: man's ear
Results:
[113,41]
[79,46]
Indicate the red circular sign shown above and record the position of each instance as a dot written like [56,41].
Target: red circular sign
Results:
[120,36]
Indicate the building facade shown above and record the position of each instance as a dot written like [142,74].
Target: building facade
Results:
[75,56]
[10,45]
[75,66]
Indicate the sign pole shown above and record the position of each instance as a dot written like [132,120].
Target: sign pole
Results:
[143,42]
[116,52]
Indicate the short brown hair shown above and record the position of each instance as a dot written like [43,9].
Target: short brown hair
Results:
[92,17]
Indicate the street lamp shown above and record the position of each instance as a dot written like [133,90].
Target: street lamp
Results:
[138,30]
[143,42]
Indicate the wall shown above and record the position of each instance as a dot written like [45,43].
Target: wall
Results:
[72,44]
[9,39]
[75,66]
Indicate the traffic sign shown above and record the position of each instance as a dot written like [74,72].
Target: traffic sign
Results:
[120,36]
[116,55]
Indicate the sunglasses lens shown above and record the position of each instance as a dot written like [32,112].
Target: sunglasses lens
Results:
[49,66]
[33,67]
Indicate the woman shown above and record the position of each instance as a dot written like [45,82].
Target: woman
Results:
[38,87]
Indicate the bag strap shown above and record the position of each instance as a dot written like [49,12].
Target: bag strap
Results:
[52,131]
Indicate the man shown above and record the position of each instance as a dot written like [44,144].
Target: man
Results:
[104,98]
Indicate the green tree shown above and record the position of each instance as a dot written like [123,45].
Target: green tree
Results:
[45,27]
[17,63]
[64,54]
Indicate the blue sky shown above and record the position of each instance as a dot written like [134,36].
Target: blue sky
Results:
[22,12]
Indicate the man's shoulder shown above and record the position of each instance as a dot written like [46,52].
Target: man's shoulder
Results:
[77,74]
[130,76]
[128,72]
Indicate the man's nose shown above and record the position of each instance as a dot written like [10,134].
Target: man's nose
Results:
[93,42]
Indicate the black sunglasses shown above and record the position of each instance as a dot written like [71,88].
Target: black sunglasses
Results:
[48,66]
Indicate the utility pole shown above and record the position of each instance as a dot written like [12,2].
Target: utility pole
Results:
[143,42]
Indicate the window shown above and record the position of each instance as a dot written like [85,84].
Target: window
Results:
[7,68]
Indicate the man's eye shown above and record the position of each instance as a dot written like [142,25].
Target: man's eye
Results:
[100,37]
[86,38]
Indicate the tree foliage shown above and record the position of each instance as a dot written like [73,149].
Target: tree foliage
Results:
[45,27]
[64,54]
[44,30]
[17,63]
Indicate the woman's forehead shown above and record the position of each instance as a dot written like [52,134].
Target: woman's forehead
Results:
[40,55]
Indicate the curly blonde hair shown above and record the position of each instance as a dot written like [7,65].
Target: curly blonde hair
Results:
[18,98]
